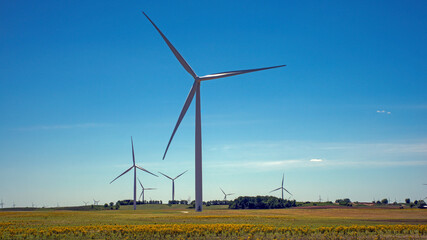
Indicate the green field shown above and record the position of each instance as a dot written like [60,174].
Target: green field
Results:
[177,221]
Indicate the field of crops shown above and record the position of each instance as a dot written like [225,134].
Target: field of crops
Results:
[183,223]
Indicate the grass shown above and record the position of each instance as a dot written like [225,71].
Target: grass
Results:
[213,217]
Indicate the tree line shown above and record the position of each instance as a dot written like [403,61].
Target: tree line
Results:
[261,202]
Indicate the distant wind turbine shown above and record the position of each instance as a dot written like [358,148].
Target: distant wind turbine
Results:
[195,90]
[143,190]
[282,188]
[95,202]
[2,203]
[173,183]
[134,166]
[226,194]
[85,203]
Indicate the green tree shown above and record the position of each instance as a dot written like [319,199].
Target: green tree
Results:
[384,201]
[407,201]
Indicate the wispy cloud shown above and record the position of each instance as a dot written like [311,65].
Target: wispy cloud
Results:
[289,164]
[298,154]
[259,164]
[64,126]
[383,111]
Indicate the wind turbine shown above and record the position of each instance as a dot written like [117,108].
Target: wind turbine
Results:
[95,202]
[143,189]
[226,194]
[195,90]
[134,166]
[173,183]
[2,203]
[283,178]
[85,203]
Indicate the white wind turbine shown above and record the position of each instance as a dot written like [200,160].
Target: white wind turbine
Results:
[173,183]
[195,90]
[226,194]
[134,166]
[283,178]
[96,202]
[85,203]
[143,190]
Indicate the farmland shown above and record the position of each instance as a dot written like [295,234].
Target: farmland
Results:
[216,222]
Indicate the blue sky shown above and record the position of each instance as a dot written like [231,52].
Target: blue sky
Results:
[78,78]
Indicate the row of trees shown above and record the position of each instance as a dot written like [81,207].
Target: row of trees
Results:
[344,202]
[112,205]
[182,202]
[261,202]
[130,202]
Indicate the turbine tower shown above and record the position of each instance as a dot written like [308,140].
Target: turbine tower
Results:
[226,194]
[195,90]
[283,178]
[2,203]
[143,190]
[173,183]
[134,166]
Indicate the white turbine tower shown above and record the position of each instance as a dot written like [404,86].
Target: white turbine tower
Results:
[173,183]
[195,90]
[2,203]
[283,178]
[143,190]
[226,194]
[134,166]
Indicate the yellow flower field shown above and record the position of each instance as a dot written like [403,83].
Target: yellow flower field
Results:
[180,223]
[211,231]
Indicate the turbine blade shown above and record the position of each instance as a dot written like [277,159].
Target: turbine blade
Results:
[276,189]
[166,176]
[150,188]
[230,193]
[180,175]
[140,184]
[222,191]
[121,175]
[182,114]
[141,194]
[133,153]
[175,52]
[233,73]
[140,168]
[283,178]
[287,191]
